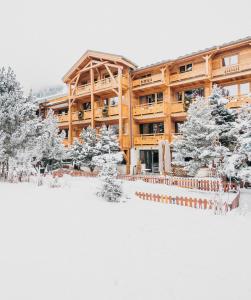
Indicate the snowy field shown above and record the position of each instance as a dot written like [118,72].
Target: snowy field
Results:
[65,243]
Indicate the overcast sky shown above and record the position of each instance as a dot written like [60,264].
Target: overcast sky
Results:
[42,39]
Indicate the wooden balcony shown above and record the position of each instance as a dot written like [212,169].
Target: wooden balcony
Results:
[177,107]
[199,72]
[232,70]
[101,85]
[84,115]
[149,81]
[106,112]
[149,139]
[238,101]
[62,118]
[148,109]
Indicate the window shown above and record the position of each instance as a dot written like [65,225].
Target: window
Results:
[114,101]
[151,128]
[186,68]
[150,99]
[87,106]
[232,90]
[190,94]
[244,88]
[177,126]
[160,97]
[230,60]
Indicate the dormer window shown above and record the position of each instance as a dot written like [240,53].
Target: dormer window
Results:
[186,68]
[230,60]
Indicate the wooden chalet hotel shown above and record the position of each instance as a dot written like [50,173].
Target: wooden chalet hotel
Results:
[146,105]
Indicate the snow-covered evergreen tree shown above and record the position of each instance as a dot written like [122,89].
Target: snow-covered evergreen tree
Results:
[111,189]
[18,120]
[108,141]
[208,135]
[83,151]
[197,146]
[224,118]
[49,148]
[239,163]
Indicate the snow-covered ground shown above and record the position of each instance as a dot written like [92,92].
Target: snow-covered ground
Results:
[65,243]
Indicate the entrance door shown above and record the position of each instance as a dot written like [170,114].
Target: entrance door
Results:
[151,159]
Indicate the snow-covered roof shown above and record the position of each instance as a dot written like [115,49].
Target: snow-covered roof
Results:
[47,98]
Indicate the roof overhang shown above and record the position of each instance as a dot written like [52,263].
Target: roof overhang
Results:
[90,54]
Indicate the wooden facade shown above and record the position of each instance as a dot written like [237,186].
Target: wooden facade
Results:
[146,105]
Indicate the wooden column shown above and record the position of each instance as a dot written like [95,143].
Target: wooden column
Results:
[92,98]
[70,133]
[120,105]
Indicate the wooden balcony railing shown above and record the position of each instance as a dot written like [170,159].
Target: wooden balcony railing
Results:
[106,112]
[81,115]
[145,109]
[62,118]
[149,139]
[238,101]
[177,107]
[232,69]
[196,72]
[155,78]
[99,85]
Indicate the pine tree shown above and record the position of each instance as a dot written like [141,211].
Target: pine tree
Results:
[17,120]
[224,118]
[49,148]
[83,151]
[239,164]
[108,141]
[196,148]
[209,133]
[111,189]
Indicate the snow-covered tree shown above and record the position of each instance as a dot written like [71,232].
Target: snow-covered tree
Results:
[18,120]
[49,148]
[208,134]
[224,118]
[196,148]
[239,163]
[83,151]
[108,141]
[111,189]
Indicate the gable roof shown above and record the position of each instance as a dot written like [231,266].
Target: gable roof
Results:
[97,54]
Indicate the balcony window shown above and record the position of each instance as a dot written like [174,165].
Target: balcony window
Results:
[66,130]
[244,88]
[190,94]
[150,99]
[151,128]
[232,90]
[186,68]
[230,60]
[63,111]
[177,126]
[115,128]
[160,97]
[114,101]
[86,106]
